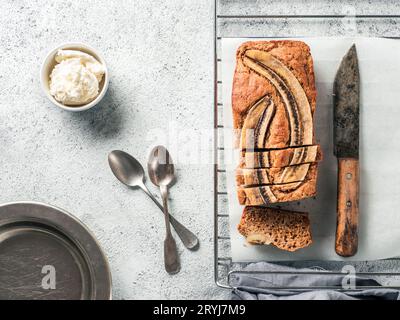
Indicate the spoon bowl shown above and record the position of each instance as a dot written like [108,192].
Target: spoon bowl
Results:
[160,167]
[126,168]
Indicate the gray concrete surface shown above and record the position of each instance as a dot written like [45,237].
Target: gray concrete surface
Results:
[159,55]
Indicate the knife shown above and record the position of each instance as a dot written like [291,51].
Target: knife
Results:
[346,99]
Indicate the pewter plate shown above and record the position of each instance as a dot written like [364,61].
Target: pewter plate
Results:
[46,253]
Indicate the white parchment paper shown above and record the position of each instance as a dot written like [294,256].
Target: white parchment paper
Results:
[379,228]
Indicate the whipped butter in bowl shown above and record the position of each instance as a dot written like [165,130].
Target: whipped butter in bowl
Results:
[74,77]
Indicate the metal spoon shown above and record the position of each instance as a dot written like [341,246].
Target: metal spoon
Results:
[161,173]
[131,173]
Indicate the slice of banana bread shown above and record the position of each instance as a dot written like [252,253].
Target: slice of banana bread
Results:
[297,173]
[286,230]
[274,193]
[280,158]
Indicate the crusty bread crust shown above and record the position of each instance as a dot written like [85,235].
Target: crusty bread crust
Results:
[286,230]
[248,86]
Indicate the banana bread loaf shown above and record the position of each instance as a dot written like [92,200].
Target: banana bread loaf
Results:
[273,94]
[273,102]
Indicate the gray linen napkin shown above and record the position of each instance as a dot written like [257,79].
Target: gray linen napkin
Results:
[249,286]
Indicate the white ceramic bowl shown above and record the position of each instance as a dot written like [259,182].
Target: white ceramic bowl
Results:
[49,63]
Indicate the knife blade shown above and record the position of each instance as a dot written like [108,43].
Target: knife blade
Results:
[346,100]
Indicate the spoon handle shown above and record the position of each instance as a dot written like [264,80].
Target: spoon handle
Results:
[147,191]
[189,239]
[171,258]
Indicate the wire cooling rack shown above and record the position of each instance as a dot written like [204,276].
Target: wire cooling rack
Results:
[247,20]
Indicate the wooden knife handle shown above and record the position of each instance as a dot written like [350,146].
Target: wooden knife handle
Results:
[347,207]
